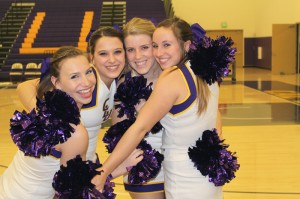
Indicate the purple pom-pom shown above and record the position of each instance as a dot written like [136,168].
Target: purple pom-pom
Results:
[211,157]
[129,94]
[62,107]
[37,132]
[210,58]
[148,168]
[74,181]
[114,134]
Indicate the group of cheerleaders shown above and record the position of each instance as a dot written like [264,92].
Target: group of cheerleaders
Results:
[166,128]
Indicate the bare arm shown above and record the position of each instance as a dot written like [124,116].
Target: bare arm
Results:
[160,102]
[27,93]
[132,160]
[76,145]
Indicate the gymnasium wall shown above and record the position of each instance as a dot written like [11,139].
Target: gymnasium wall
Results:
[254,17]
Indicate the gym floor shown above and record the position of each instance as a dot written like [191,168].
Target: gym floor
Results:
[261,123]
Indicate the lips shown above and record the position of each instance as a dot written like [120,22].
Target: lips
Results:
[112,68]
[162,61]
[140,63]
[85,93]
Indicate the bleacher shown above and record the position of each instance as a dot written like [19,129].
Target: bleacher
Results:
[149,9]
[50,24]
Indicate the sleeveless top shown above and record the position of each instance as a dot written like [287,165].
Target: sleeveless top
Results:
[97,112]
[183,125]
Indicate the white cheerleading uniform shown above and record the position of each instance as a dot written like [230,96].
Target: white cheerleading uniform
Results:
[97,112]
[183,126]
[29,177]
[156,184]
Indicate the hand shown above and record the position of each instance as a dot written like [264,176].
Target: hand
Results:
[99,180]
[133,159]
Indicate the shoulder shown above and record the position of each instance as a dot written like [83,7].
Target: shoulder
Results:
[80,132]
[78,140]
[27,84]
[171,76]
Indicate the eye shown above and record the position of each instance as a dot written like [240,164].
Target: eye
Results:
[154,45]
[129,50]
[102,53]
[74,76]
[118,52]
[89,71]
[166,45]
[145,47]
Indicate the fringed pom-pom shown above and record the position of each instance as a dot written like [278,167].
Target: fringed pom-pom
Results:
[129,94]
[62,106]
[210,58]
[148,168]
[36,133]
[28,134]
[211,157]
[74,181]
[114,134]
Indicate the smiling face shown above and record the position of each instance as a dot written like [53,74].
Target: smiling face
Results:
[109,58]
[166,48]
[139,53]
[76,78]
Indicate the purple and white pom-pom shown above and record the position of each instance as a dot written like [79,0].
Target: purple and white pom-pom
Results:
[211,157]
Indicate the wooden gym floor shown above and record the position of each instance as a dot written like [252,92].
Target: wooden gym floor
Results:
[261,122]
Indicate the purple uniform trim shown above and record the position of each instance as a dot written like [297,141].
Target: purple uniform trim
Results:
[192,87]
[144,188]
[94,95]
[55,153]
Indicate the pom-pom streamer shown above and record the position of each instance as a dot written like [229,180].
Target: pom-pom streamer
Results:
[211,157]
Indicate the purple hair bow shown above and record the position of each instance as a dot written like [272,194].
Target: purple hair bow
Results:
[198,32]
[45,68]
[118,28]
[153,20]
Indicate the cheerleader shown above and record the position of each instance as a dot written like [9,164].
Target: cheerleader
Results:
[146,180]
[52,130]
[107,57]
